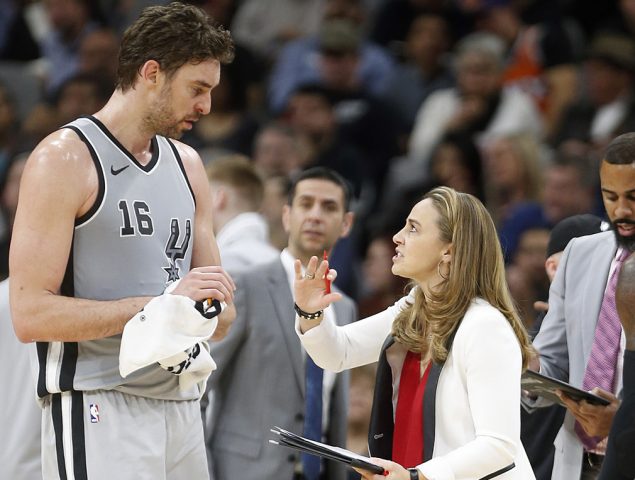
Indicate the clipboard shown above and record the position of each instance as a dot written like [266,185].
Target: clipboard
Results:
[546,387]
[291,440]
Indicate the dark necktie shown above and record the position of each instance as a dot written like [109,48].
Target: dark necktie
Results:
[312,416]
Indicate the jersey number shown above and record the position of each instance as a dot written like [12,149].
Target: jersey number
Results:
[142,216]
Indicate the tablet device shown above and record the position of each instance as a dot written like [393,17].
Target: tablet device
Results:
[546,387]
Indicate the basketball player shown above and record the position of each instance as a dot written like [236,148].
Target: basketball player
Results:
[111,211]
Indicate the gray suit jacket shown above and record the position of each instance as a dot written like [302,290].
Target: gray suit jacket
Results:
[259,383]
[566,335]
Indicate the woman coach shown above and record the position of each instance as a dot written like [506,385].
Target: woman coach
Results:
[450,353]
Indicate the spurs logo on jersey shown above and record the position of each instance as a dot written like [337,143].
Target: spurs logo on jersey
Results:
[175,252]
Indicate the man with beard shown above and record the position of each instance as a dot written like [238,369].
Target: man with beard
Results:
[580,340]
[111,212]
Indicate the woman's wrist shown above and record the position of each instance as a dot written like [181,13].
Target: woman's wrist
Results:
[307,315]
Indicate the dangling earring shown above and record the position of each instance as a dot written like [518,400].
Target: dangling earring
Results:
[444,277]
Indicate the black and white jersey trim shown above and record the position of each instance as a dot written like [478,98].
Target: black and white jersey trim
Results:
[67,411]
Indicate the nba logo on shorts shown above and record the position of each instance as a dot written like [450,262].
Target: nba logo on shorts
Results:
[94,413]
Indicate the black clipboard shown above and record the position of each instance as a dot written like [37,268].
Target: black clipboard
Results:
[291,440]
[546,387]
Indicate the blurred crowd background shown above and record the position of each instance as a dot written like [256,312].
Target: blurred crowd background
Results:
[510,100]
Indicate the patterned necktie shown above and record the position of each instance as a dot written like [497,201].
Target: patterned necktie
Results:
[312,416]
[600,371]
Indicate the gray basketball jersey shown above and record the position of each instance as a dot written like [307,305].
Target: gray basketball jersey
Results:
[136,239]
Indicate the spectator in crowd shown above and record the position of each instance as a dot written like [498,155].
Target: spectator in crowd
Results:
[300,61]
[606,107]
[569,188]
[526,272]
[513,172]
[579,339]
[424,69]
[81,94]
[267,27]
[241,231]
[21,30]
[479,105]
[540,57]
[379,287]
[261,379]
[98,51]
[279,150]
[71,21]
[311,113]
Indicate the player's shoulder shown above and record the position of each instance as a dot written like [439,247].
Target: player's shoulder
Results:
[188,155]
[60,151]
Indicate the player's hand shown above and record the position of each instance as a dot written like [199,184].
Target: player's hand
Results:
[596,420]
[392,471]
[202,283]
[310,289]
[225,320]
[540,306]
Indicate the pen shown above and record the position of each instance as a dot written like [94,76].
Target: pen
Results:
[327,282]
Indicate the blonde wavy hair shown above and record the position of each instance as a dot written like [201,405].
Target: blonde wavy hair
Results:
[476,270]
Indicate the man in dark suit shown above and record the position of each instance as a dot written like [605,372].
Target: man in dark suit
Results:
[261,381]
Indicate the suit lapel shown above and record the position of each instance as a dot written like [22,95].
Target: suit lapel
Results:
[282,300]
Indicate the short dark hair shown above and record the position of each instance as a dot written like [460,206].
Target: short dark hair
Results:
[322,173]
[173,35]
[621,151]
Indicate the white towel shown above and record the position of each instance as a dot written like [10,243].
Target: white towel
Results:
[169,331]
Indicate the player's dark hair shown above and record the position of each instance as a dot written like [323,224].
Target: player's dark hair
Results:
[322,173]
[621,151]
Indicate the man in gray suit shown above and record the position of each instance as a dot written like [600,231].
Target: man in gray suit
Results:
[575,323]
[260,380]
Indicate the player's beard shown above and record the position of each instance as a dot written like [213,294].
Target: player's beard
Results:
[161,118]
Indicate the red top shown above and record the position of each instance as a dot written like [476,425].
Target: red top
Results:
[407,443]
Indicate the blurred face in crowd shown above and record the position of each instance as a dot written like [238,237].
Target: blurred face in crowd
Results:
[564,194]
[605,82]
[450,170]
[316,218]
[378,265]
[618,193]
[530,254]
[67,16]
[339,70]
[98,53]
[275,153]
[427,39]
[504,164]
[77,98]
[311,115]
[478,74]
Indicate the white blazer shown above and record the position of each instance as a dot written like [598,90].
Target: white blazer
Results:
[477,414]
